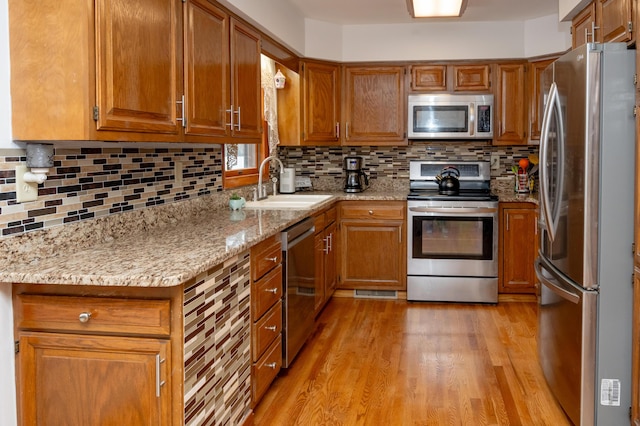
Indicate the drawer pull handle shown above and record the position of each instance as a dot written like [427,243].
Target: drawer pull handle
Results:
[271,328]
[370,211]
[271,365]
[84,317]
[272,290]
[273,259]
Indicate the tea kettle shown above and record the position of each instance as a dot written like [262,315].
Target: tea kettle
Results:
[448,183]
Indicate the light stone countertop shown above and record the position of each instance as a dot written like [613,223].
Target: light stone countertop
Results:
[158,247]
[165,250]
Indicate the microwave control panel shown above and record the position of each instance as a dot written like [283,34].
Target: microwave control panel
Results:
[484,118]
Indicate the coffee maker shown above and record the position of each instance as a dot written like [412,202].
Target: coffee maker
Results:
[356,179]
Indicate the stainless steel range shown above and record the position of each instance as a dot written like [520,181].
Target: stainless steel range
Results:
[452,253]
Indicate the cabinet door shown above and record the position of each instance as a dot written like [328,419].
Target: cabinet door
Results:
[614,20]
[583,26]
[245,83]
[374,106]
[518,254]
[137,65]
[320,248]
[510,105]
[93,380]
[321,103]
[372,255]
[330,273]
[206,69]
[431,78]
[535,99]
[471,78]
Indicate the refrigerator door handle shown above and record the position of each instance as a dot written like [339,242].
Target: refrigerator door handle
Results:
[561,289]
[553,104]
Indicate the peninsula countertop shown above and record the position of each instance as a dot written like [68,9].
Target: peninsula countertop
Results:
[169,253]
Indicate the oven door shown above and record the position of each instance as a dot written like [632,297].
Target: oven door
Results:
[452,241]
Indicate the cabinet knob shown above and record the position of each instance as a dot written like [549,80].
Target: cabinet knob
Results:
[271,365]
[370,211]
[272,290]
[273,259]
[84,317]
[271,328]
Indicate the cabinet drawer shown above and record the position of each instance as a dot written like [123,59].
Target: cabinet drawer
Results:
[265,256]
[93,315]
[330,216]
[383,210]
[266,292]
[266,329]
[266,369]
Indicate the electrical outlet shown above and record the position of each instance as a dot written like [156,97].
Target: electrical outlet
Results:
[25,191]
[495,161]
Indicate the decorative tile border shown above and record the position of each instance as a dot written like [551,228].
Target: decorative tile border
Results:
[217,345]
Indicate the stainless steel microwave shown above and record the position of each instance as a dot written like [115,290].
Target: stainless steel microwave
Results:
[449,116]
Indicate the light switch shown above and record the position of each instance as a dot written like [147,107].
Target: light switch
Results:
[25,191]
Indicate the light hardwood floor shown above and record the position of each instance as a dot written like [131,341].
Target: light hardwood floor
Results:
[385,362]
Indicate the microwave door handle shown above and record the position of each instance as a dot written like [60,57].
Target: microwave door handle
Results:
[472,119]
[544,142]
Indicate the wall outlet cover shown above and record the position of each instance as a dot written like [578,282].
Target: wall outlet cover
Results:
[25,191]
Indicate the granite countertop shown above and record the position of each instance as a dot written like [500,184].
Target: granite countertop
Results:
[178,246]
[158,247]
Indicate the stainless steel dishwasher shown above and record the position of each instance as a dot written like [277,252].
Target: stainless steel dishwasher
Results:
[298,258]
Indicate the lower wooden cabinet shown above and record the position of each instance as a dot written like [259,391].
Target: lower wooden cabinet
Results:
[266,315]
[325,257]
[93,360]
[372,245]
[517,247]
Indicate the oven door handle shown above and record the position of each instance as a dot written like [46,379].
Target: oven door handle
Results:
[453,211]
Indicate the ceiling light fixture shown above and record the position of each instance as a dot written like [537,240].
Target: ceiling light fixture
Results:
[436,8]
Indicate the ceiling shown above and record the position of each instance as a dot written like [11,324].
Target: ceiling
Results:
[354,12]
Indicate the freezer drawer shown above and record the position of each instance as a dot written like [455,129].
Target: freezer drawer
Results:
[567,344]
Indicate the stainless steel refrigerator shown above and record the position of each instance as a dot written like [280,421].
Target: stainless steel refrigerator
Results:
[585,261]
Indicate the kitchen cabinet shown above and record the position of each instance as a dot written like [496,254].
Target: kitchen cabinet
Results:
[374,105]
[93,73]
[510,104]
[583,26]
[536,107]
[320,103]
[266,315]
[325,257]
[517,247]
[451,77]
[614,19]
[96,359]
[372,245]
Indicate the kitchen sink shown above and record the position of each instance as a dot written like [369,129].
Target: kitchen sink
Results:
[288,201]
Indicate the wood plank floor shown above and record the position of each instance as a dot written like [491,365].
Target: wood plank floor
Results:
[387,362]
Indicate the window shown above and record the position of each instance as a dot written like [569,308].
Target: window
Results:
[240,164]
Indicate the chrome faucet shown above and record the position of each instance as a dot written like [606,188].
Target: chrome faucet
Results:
[262,192]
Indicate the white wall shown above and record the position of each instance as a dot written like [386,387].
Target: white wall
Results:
[546,35]
[567,9]
[323,40]
[7,378]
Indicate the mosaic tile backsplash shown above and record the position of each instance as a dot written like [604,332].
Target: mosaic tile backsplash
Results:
[90,182]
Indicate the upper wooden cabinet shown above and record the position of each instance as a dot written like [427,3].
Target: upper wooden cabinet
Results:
[535,100]
[583,26]
[374,105]
[604,21]
[615,21]
[320,103]
[91,72]
[455,78]
[510,105]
